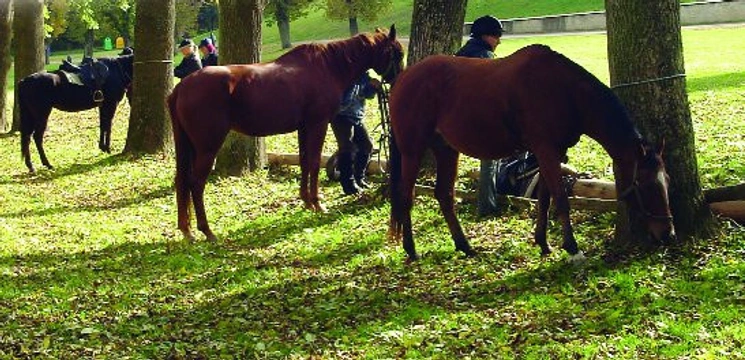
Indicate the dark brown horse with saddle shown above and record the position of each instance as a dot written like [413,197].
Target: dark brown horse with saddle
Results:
[300,91]
[535,99]
[38,93]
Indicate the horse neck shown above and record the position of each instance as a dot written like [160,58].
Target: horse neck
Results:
[350,58]
[608,123]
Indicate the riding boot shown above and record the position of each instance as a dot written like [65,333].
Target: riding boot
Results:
[360,169]
[346,178]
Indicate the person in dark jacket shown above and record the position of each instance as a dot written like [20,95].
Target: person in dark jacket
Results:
[355,145]
[190,63]
[486,34]
[209,52]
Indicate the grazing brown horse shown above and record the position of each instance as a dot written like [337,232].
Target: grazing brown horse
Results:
[535,99]
[38,93]
[301,90]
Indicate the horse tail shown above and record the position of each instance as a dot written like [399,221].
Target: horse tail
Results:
[394,168]
[184,156]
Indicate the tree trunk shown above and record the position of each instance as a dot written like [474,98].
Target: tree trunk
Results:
[354,27]
[283,23]
[149,122]
[240,43]
[645,45]
[6,24]
[436,28]
[89,39]
[28,32]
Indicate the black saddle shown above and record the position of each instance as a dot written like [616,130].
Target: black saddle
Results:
[92,74]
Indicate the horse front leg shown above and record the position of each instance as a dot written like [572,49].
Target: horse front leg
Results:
[541,225]
[106,116]
[447,170]
[550,167]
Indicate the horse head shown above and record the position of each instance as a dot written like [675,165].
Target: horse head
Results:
[388,61]
[648,192]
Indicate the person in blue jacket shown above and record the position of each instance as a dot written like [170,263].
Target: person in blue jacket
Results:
[486,34]
[355,145]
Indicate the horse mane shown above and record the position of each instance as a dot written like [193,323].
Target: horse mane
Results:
[615,115]
[338,52]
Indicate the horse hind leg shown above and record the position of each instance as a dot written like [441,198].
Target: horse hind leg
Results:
[39,141]
[201,170]
[311,140]
[447,170]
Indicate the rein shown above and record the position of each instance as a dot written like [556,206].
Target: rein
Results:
[634,188]
[385,122]
[648,81]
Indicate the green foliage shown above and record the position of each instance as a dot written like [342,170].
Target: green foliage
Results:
[293,10]
[186,18]
[368,10]
[92,265]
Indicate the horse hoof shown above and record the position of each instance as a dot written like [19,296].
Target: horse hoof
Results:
[189,236]
[211,238]
[577,258]
[320,208]
[411,259]
[469,252]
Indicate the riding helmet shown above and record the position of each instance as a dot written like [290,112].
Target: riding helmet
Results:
[486,25]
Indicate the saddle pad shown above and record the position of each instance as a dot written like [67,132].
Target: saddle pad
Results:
[72,78]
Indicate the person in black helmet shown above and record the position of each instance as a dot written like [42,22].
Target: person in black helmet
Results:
[486,34]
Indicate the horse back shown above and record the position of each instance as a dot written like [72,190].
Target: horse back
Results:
[491,108]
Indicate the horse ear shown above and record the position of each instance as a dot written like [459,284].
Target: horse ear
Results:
[392,32]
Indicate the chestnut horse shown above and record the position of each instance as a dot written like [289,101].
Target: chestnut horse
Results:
[301,90]
[535,99]
[38,93]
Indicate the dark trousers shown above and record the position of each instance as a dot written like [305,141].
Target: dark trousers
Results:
[351,136]
[355,147]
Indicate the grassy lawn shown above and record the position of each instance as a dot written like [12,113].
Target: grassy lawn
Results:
[92,265]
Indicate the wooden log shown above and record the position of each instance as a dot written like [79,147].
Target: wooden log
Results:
[374,167]
[726,193]
[734,210]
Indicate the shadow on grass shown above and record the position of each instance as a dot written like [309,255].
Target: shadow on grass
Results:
[43,174]
[716,82]
[228,297]
[160,192]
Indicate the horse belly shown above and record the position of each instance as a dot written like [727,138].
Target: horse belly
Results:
[73,99]
[261,121]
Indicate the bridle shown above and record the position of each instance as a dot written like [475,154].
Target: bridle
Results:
[391,69]
[634,189]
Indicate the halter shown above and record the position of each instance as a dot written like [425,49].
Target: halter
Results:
[390,68]
[634,188]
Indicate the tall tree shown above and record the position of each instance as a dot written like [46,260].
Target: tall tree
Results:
[6,23]
[28,32]
[436,28]
[282,12]
[149,122]
[240,43]
[645,52]
[351,10]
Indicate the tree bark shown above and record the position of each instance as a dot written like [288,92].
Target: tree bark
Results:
[436,28]
[283,23]
[149,122]
[6,35]
[645,45]
[28,31]
[240,31]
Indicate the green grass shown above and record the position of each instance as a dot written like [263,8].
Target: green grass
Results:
[92,265]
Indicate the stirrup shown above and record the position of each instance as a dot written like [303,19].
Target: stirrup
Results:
[98,96]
